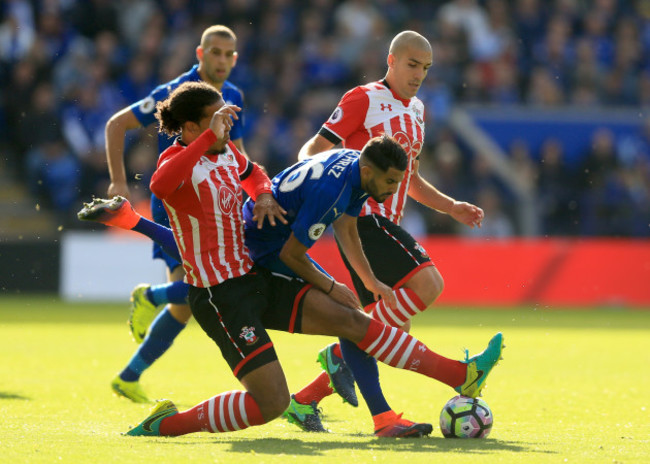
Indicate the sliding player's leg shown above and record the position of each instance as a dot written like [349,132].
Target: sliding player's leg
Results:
[233,315]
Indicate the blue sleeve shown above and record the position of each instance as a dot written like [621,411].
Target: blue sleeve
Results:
[309,224]
[354,208]
[145,109]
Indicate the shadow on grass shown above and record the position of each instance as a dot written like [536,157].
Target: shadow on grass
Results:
[12,396]
[292,446]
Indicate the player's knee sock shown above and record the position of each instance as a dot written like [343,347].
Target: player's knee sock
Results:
[318,389]
[365,372]
[162,235]
[227,412]
[408,305]
[397,348]
[169,292]
[164,330]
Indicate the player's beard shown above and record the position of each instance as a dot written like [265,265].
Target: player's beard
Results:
[375,195]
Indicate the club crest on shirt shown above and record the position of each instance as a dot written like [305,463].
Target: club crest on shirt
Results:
[421,249]
[336,116]
[148,105]
[227,199]
[316,231]
[248,334]
[418,115]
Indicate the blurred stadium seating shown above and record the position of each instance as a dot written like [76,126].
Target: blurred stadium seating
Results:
[537,110]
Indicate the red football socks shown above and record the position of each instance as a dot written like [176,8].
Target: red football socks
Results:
[230,411]
[397,348]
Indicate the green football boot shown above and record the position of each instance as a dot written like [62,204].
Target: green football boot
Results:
[479,366]
[142,314]
[150,427]
[305,416]
[130,390]
[341,378]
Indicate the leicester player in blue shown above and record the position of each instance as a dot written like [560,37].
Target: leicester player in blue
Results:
[216,55]
[330,188]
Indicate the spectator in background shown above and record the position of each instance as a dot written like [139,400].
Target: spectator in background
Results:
[558,202]
[606,201]
[16,31]
[53,171]
[496,224]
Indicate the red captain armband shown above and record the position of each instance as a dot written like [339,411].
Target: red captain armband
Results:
[255,181]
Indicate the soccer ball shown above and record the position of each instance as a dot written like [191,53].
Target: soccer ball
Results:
[464,417]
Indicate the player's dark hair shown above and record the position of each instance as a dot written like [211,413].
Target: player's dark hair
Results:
[384,152]
[185,103]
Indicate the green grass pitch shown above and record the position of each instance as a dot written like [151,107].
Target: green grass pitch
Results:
[572,388]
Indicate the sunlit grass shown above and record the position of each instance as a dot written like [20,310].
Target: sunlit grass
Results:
[572,388]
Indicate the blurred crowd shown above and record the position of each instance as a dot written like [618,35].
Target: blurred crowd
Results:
[67,65]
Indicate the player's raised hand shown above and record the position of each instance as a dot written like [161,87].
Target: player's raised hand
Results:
[118,188]
[467,213]
[222,120]
[267,207]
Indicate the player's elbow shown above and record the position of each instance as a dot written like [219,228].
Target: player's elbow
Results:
[156,187]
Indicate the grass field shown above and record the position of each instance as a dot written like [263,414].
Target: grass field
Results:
[572,388]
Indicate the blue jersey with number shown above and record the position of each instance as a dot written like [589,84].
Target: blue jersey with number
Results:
[145,109]
[315,193]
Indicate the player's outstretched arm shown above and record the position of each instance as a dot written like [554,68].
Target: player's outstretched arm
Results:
[316,144]
[347,234]
[116,128]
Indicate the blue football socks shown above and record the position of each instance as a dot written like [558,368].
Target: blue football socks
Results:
[169,292]
[366,374]
[162,235]
[164,329]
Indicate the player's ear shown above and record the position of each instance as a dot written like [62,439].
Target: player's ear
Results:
[199,53]
[235,55]
[191,128]
[390,60]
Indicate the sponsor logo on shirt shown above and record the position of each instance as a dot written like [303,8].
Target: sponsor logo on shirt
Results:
[227,199]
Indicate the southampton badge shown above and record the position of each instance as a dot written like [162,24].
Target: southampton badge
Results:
[421,249]
[248,334]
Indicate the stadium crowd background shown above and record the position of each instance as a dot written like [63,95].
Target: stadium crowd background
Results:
[67,65]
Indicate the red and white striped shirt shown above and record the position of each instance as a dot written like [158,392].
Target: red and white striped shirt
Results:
[369,111]
[202,194]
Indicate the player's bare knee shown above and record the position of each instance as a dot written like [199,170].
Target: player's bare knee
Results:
[273,407]
[357,326]
[427,285]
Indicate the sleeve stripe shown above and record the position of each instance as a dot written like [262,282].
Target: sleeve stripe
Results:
[330,135]
[247,171]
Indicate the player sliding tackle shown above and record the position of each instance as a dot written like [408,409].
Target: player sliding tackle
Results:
[200,179]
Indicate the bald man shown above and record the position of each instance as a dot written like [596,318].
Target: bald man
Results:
[388,106]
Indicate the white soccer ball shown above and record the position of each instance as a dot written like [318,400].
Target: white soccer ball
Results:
[464,417]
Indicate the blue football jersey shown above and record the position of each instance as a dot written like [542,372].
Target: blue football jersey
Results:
[145,109]
[315,193]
